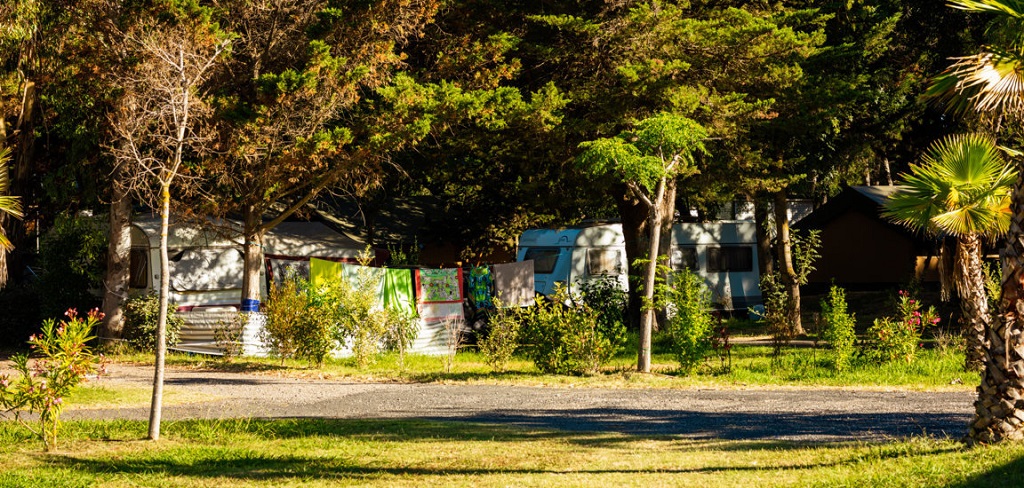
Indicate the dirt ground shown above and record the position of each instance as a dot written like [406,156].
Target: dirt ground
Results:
[819,415]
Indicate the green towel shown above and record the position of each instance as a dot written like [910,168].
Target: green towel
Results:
[398,291]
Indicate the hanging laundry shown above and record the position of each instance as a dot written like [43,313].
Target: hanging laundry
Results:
[357,276]
[480,284]
[513,283]
[439,285]
[439,303]
[398,291]
[322,271]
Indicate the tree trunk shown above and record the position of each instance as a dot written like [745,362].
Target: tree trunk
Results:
[765,257]
[634,232]
[970,283]
[668,211]
[784,250]
[115,282]
[650,275]
[1000,404]
[253,259]
[156,406]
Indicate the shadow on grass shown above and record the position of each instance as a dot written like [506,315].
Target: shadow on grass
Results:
[225,449]
[1006,475]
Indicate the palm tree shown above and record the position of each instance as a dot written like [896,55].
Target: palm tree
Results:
[9,205]
[962,189]
[993,81]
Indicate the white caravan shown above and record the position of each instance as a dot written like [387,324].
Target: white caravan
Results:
[206,270]
[723,253]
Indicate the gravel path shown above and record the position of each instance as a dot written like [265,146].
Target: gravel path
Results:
[761,414]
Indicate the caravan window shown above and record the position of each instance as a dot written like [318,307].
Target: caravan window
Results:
[604,262]
[544,259]
[138,267]
[684,257]
[730,258]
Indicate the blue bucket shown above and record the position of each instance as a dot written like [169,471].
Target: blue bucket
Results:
[250,305]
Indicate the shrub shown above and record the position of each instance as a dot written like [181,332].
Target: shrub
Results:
[691,326]
[502,338]
[839,328]
[72,257]
[141,315]
[610,303]
[287,309]
[897,338]
[43,387]
[359,322]
[566,339]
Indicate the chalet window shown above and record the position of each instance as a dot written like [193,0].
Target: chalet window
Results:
[604,262]
[684,257]
[138,274]
[544,259]
[730,258]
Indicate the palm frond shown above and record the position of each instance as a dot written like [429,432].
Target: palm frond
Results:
[8,204]
[962,187]
[985,82]
[1012,8]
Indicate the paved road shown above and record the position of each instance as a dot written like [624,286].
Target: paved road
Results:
[761,414]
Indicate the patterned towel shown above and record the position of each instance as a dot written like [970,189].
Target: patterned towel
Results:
[439,285]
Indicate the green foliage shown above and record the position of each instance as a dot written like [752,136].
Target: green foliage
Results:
[609,302]
[400,255]
[504,327]
[661,147]
[993,283]
[774,316]
[806,250]
[691,324]
[566,339]
[287,311]
[141,315]
[961,188]
[897,338]
[839,328]
[64,361]
[359,321]
[72,255]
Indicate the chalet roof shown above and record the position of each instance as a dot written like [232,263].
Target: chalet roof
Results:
[867,200]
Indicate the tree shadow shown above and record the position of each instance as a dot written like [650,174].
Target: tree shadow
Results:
[1006,475]
[199,459]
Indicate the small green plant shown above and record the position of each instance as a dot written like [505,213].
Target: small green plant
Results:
[897,338]
[140,321]
[502,339]
[838,328]
[64,361]
[567,339]
[774,314]
[691,325]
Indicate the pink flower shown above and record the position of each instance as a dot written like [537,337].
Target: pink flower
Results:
[916,313]
[935,320]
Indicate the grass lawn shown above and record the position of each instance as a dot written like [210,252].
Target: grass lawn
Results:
[752,366]
[417,453]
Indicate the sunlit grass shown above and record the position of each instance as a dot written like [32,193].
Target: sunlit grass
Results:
[244,452]
[751,366]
